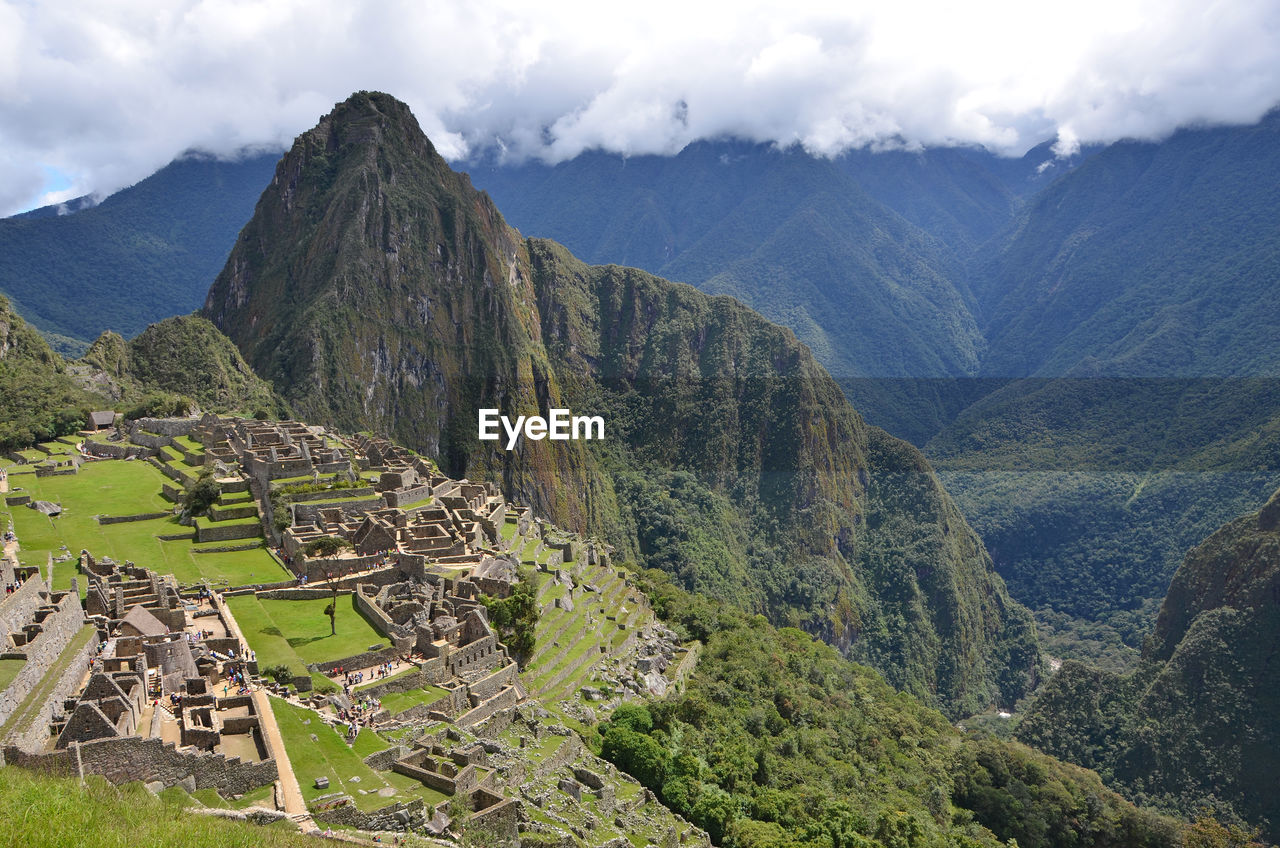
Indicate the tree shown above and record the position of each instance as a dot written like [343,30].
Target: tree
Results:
[327,547]
[516,616]
[202,494]
[332,611]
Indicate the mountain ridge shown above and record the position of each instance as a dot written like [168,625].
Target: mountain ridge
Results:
[384,292]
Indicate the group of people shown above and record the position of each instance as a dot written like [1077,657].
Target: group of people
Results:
[235,676]
[10,588]
[360,715]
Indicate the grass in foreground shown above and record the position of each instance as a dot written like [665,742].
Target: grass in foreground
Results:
[8,670]
[40,811]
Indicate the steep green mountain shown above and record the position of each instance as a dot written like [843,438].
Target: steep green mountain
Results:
[776,740]
[1198,724]
[1089,491]
[143,254]
[796,237]
[39,400]
[1150,259]
[186,356]
[381,291]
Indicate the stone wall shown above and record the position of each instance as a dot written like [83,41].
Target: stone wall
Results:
[383,760]
[396,497]
[301,594]
[58,629]
[374,614]
[18,608]
[123,519]
[168,426]
[149,440]
[124,759]
[316,569]
[486,648]
[36,734]
[499,824]
[430,672]
[226,533]
[117,450]
[364,660]
[329,495]
[398,817]
[230,513]
[506,698]
[486,687]
[309,513]
[44,471]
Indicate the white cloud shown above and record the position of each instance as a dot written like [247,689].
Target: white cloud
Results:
[106,92]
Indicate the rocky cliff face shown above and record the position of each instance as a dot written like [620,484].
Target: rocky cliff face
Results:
[378,290]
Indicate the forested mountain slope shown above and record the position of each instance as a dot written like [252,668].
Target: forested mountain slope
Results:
[1197,724]
[379,290]
[145,253]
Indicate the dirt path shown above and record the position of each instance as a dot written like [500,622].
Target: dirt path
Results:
[292,799]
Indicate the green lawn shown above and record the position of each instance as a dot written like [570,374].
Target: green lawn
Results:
[190,444]
[328,755]
[122,488]
[295,633]
[398,702]
[8,670]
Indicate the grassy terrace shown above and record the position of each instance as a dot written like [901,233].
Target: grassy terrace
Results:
[8,670]
[226,522]
[324,501]
[265,622]
[508,531]
[398,702]
[41,811]
[189,444]
[301,480]
[328,755]
[39,694]
[117,487]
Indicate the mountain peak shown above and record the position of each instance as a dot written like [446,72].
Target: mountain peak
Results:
[384,293]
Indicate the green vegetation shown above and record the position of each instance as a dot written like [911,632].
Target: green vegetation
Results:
[125,488]
[38,399]
[712,410]
[1205,692]
[52,812]
[177,362]
[295,633]
[778,741]
[327,755]
[199,496]
[8,670]
[398,702]
[143,254]
[516,616]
